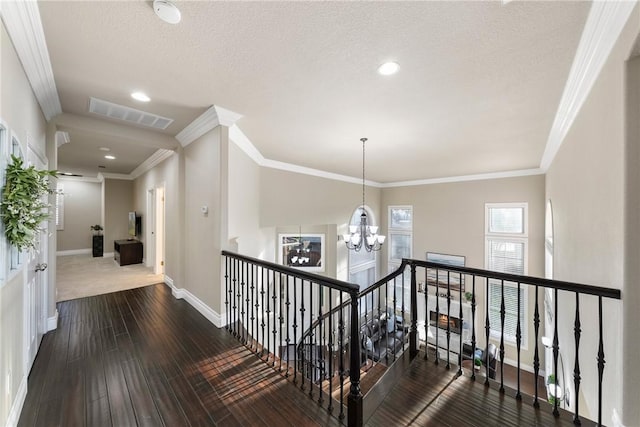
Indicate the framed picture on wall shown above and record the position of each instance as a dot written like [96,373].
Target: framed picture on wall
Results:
[302,251]
[440,278]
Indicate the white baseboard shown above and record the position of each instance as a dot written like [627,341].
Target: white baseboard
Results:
[52,322]
[615,419]
[74,252]
[107,255]
[195,302]
[523,366]
[18,402]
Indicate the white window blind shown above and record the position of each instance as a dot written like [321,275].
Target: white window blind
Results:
[506,252]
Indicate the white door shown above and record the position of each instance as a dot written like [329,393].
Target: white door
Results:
[35,291]
[159,231]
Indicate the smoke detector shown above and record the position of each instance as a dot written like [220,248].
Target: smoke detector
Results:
[167,11]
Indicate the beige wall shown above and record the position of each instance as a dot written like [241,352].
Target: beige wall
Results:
[19,110]
[202,179]
[118,202]
[449,218]
[167,175]
[585,184]
[631,301]
[82,209]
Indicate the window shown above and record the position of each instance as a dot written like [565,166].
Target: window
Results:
[400,245]
[506,241]
[59,207]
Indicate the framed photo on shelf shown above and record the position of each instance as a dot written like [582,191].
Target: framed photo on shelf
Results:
[439,278]
[303,251]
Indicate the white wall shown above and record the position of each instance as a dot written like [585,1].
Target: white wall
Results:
[21,112]
[585,184]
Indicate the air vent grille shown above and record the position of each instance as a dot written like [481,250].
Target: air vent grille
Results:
[127,114]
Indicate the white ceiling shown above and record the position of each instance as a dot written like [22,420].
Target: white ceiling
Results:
[477,92]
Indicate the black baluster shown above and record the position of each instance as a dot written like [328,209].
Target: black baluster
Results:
[426,320]
[402,313]
[536,357]
[503,315]
[473,328]
[253,317]
[226,290]
[233,298]
[448,319]
[262,324]
[303,354]
[576,370]
[274,331]
[487,332]
[331,351]
[436,325]
[342,356]
[312,358]
[268,317]
[321,332]
[280,318]
[287,304]
[556,350]
[518,345]
[461,329]
[601,360]
[240,305]
[295,330]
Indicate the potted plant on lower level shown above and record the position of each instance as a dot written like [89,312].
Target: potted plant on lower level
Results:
[98,240]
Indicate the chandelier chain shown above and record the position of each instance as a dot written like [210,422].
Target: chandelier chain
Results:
[363,148]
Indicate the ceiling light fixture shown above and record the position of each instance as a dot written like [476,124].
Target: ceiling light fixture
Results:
[167,11]
[140,96]
[105,149]
[388,68]
[110,157]
[363,234]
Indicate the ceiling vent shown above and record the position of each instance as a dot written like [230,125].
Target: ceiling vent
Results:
[131,115]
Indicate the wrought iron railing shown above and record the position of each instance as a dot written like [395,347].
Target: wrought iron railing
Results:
[315,329]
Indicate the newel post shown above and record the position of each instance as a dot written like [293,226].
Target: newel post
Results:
[354,400]
[413,331]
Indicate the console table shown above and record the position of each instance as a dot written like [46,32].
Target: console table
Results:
[127,252]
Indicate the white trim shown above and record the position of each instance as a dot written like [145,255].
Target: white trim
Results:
[126,177]
[22,21]
[195,302]
[74,252]
[62,138]
[525,221]
[615,419]
[155,159]
[18,403]
[52,322]
[604,24]
[464,178]
[210,119]
[107,255]
[79,178]
[523,366]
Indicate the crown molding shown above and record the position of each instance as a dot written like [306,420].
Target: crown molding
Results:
[125,177]
[62,138]
[464,178]
[603,27]
[79,179]
[214,116]
[22,21]
[155,159]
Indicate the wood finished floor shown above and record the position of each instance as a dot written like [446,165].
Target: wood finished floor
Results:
[142,358]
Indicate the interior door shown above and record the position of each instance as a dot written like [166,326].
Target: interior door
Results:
[35,291]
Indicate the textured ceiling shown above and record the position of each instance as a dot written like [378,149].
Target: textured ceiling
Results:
[477,91]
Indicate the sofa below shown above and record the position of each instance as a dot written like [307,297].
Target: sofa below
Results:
[382,338]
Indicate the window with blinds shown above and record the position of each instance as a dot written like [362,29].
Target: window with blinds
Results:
[506,242]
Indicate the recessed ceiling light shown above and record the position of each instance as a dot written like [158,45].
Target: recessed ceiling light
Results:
[167,11]
[140,96]
[388,68]
[110,157]
[105,149]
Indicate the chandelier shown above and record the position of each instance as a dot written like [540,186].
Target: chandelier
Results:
[363,234]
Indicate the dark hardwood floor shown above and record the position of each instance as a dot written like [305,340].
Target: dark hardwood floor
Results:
[142,358]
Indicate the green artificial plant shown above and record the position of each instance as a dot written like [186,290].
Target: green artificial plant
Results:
[97,229]
[22,207]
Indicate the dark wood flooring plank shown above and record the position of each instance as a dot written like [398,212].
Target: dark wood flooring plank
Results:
[120,405]
[141,399]
[73,400]
[98,413]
